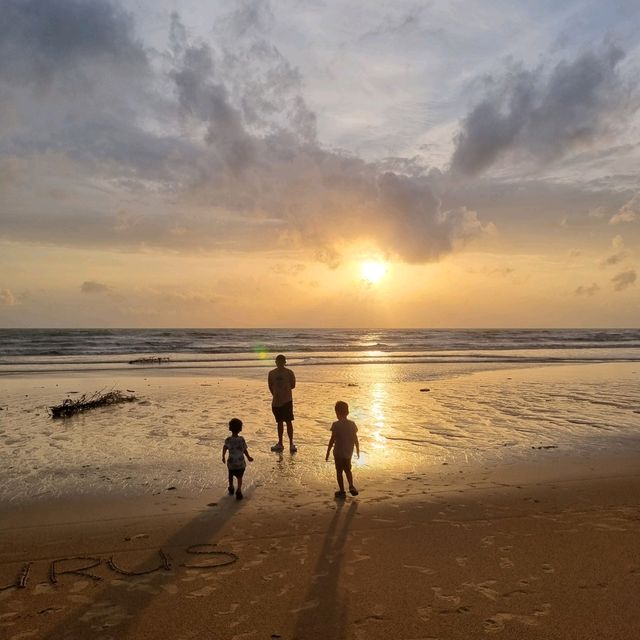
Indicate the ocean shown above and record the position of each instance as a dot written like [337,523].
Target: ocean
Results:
[42,350]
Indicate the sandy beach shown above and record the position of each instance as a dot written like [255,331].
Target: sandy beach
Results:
[502,555]
[499,502]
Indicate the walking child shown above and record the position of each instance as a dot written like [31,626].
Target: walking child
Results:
[344,437]
[236,446]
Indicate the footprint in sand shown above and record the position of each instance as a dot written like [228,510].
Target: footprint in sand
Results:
[280,574]
[487,541]
[424,613]
[597,585]
[506,563]
[493,625]
[547,568]
[419,569]
[525,582]
[373,617]
[462,561]
[232,608]
[105,614]
[483,588]
[454,600]
[310,604]
[8,619]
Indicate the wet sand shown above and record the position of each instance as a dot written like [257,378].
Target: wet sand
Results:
[412,419]
[523,552]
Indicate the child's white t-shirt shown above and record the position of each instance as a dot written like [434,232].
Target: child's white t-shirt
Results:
[236,446]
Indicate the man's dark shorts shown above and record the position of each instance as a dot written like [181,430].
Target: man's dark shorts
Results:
[342,464]
[283,413]
[236,473]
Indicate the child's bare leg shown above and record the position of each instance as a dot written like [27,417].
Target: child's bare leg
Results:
[349,478]
[280,432]
[289,432]
[230,481]
[240,484]
[340,480]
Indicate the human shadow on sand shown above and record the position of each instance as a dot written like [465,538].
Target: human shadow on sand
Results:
[202,530]
[324,609]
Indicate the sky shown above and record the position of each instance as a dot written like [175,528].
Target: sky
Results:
[202,163]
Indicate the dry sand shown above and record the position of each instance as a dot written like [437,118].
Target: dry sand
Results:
[538,551]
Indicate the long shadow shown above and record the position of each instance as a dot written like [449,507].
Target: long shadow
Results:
[324,609]
[198,531]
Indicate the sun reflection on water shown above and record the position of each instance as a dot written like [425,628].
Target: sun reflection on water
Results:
[378,403]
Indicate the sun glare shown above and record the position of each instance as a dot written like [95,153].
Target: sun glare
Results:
[373,272]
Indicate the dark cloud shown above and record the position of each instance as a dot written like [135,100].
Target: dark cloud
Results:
[261,164]
[40,39]
[589,290]
[213,147]
[91,287]
[544,115]
[624,279]
[524,210]
[614,259]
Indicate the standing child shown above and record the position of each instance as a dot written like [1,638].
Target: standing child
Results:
[237,448]
[344,437]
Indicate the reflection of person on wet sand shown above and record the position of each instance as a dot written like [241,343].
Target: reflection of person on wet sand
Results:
[344,437]
[281,383]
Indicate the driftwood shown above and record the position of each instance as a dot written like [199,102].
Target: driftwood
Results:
[99,399]
[149,360]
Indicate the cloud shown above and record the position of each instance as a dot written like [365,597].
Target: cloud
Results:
[589,290]
[616,258]
[542,114]
[41,39]
[202,145]
[7,298]
[264,166]
[624,279]
[629,212]
[92,287]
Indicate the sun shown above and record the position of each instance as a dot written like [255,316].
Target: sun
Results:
[373,272]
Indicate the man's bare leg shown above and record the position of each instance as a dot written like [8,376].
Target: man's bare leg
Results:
[289,433]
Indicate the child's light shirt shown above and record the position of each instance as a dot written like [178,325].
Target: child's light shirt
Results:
[345,438]
[236,446]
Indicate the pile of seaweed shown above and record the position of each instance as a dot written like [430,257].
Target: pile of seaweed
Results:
[98,399]
[149,360]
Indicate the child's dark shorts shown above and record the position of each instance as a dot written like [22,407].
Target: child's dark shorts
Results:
[236,473]
[342,464]
[283,413]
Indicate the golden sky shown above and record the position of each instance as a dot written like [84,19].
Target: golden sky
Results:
[210,165]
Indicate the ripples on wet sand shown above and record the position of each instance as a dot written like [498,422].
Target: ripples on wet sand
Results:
[172,437]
